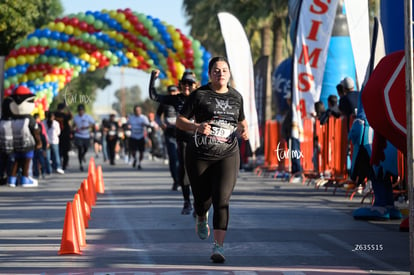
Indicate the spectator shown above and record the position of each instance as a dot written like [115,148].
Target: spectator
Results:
[52,153]
[39,157]
[64,116]
[348,103]
[333,110]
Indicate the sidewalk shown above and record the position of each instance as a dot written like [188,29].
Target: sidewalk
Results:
[136,228]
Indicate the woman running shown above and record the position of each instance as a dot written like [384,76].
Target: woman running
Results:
[212,156]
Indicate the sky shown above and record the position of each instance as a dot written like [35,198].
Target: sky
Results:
[169,11]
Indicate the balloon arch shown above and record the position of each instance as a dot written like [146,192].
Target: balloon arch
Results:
[50,57]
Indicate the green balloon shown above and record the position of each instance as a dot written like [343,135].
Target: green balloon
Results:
[92,39]
[152,31]
[43,59]
[90,19]
[44,42]
[6,84]
[100,44]
[98,24]
[52,60]
[25,43]
[34,41]
[53,43]
[85,36]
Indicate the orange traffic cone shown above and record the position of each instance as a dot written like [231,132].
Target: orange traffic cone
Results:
[87,197]
[91,189]
[69,243]
[86,214]
[92,170]
[79,221]
[100,187]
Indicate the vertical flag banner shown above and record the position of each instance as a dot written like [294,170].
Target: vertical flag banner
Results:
[241,65]
[314,28]
[261,69]
[358,25]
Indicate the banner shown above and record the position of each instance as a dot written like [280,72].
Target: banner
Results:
[314,28]
[241,66]
[358,25]
[261,69]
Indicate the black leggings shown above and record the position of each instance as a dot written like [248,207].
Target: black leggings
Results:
[212,182]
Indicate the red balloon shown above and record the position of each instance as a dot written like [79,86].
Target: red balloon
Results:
[31,50]
[8,91]
[139,27]
[74,21]
[91,29]
[22,51]
[83,26]
[13,53]
[65,20]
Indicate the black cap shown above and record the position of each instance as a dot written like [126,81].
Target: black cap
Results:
[172,88]
[61,106]
[81,107]
[188,77]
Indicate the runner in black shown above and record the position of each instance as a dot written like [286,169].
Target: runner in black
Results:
[212,155]
[187,84]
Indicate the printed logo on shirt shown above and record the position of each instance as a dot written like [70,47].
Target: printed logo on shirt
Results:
[224,105]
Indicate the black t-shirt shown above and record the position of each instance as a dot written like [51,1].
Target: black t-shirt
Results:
[348,103]
[177,101]
[223,112]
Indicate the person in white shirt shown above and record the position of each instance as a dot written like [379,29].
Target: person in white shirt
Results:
[82,123]
[138,123]
[53,131]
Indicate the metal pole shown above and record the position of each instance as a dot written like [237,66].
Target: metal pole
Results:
[408,15]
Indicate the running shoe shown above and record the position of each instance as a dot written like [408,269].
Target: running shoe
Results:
[202,228]
[60,171]
[187,208]
[11,182]
[29,182]
[218,254]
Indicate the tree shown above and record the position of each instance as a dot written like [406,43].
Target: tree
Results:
[127,98]
[20,18]
[264,22]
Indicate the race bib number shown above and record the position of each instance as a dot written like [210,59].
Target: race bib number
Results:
[220,132]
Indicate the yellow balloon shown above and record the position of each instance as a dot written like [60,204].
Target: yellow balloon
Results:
[69,29]
[113,13]
[120,17]
[30,59]
[12,62]
[92,68]
[66,46]
[77,32]
[21,60]
[85,57]
[23,78]
[74,49]
[32,75]
[48,78]
[93,60]
[60,26]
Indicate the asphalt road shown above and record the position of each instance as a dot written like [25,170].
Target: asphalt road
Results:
[136,227]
